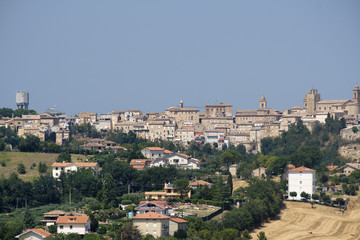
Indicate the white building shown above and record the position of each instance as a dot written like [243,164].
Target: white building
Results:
[73,224]
[301,179]
[34,234]
[66,167]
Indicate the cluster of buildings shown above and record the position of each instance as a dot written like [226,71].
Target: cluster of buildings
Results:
[217,124]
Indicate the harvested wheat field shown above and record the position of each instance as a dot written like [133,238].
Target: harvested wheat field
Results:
[300,221]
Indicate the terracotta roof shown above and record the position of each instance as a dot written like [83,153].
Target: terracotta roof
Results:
[302,169]
[178,220]
[290,166]
[61,164]
[138,166]
[167,151]
[89,164]
[200,182]
[151,215]
[72,219]
[184,155]
[139,161]
[38,231]
[332,167]
[55,213]
[155,148]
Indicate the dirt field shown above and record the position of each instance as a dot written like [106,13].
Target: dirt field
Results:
[300,221]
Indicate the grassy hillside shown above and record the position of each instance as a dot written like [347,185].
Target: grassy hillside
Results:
[12,160]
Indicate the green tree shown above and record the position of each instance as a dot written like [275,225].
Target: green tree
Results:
[227,158]
[21,168]
[182,186]
[42,168]
[64,157]
[30,144]
[29,219]
[230,183]
[245,235]
[304,195]
[180,234]
[128,232]
[261,236]
[293,194]
[108,193]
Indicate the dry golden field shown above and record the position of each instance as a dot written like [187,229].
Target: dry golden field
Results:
[300,221]
[12,160]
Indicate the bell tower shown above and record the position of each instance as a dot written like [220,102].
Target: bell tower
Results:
[263,102]
[356,94]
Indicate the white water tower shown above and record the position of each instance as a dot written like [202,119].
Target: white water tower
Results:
[22,99]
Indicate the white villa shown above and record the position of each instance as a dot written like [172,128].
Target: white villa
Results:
[301,179]
[73,224]
[66,167]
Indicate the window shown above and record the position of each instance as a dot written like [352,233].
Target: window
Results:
[300,182]
[146,224]
[56,168]
[146,232]
[154,232]
[61,227]
[154,224]
[70,226]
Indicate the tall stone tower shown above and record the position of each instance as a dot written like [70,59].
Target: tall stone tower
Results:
[310,100]
[263,102]
[356,94]
[181,104]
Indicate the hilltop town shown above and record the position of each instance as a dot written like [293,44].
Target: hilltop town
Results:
[182,125]
[181,173]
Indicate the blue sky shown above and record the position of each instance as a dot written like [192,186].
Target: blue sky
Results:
[115,55]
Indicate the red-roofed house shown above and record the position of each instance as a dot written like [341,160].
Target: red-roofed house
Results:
[73,224]
[66,167]
[160,207]
[140,164]
[198,183]
[176,224]
[153,152]
[301,179]
[332,167]
[34,234]
[158,225]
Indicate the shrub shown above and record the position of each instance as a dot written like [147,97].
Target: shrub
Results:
[21,168]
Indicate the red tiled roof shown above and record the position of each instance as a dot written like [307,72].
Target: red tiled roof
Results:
[332,167]
[200,182]
[138,166]
[178,220]
[167,151]
[151,215]
[290,166]
[39,231]
[302,169]
[89,164]
[138,161]
[72,219]
[155,148]
[61,164]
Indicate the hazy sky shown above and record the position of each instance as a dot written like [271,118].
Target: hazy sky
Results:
[116,55]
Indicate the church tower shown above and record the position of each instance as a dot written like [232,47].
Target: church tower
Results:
[310,101]
[181,104]
[356,94]
[263,102]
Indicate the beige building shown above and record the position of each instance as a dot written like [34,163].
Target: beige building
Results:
[86,117]
[218,110]
[183,115]
[263,114]
[169,192]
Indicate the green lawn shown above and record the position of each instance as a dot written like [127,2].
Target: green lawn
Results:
[12,160]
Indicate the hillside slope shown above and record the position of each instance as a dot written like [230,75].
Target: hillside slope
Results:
[12,160]
[300,221]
